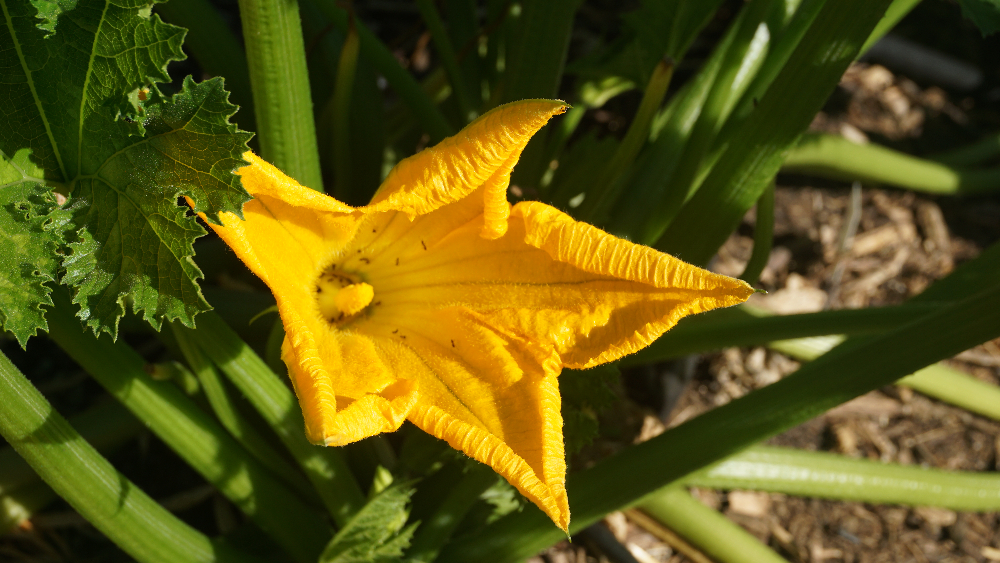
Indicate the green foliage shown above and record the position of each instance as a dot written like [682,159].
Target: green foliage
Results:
[82,116]
[32,228]
[984,13]
[111,502]
[645,42]
[502,499]
[376,534]
[585,395]
[87,119]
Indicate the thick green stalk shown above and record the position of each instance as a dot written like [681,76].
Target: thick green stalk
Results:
[746,168]
[406,87]
[751,326]
[785,43]
[853,369]
[272,34]
[788,33]
[324,466]
[957,388]
[91,485]
[718,537]
[970,155]
[937,381]
[895,12]
[105,426]
[463,29]
[607,187]
[535,57]
[346,67]
[832,476]
[446,51]
[195,436]
[659,162]
[535,62]
[229,415]
[741,59]
[690,17]
[835,157]
[435,530]
[217,49]
[763,237]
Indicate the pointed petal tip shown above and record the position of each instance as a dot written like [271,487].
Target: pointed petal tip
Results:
[533,112]
[562,523]
[482,154]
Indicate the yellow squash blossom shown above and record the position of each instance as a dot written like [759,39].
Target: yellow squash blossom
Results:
[441,304]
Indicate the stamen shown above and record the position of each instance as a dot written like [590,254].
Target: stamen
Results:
[342,295]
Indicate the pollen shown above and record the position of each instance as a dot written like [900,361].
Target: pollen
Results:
[339,297]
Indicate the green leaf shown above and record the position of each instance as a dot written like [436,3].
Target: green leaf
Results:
[90,484]
[194,435]
[138,241]
[457,489]
[325,467]
[87,118]
[32,228]
[585,395]
[376,533]
[755,150]
[984,13]
[656,29]
[578,164]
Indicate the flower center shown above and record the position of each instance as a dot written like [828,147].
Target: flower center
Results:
[341,295]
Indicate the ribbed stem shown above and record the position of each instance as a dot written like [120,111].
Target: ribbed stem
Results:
[91,485]
[272,35]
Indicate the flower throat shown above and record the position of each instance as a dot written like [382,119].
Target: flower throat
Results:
[341,295]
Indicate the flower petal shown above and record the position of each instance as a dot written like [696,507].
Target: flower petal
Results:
[347,385]
[489,393]
[679,288]
[262,179]
[491,323]
[468,316]
[480,155]
[587,295]
[288,236]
